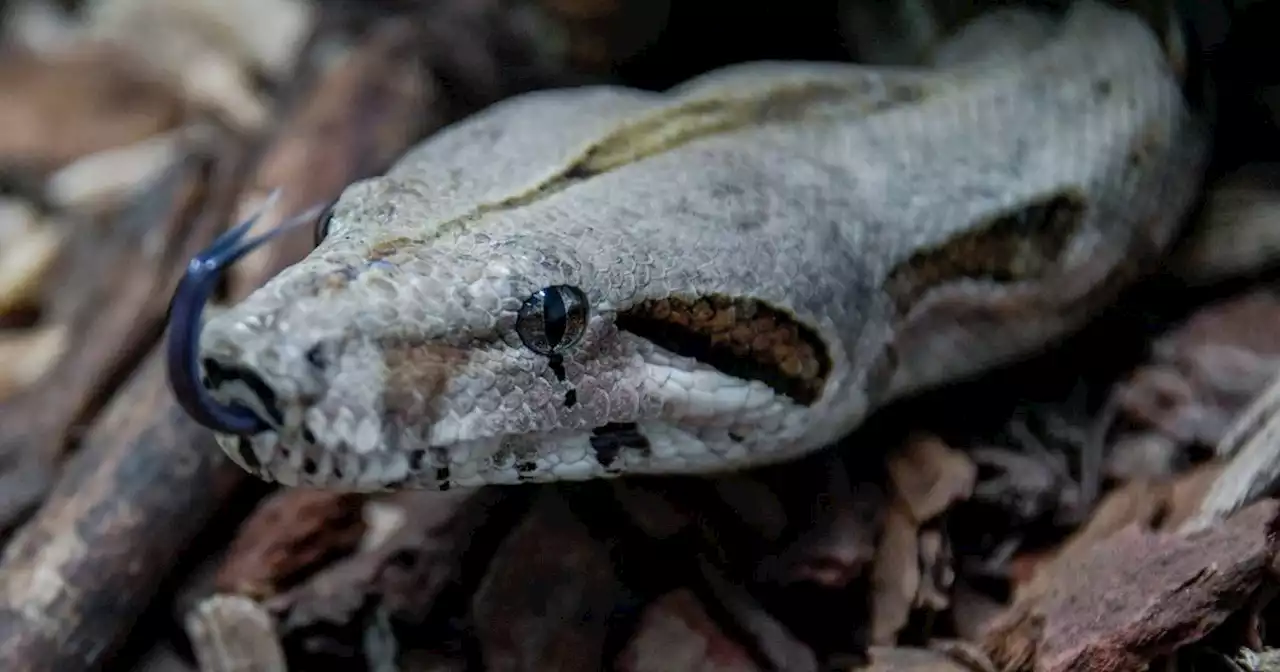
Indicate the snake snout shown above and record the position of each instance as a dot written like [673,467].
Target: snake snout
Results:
[192,389]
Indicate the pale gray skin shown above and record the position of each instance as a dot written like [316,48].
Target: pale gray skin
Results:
[801,184]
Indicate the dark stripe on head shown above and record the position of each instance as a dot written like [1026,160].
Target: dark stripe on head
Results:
[245,450]
[744,338]
[219,375]
[1025,244]
[609,440]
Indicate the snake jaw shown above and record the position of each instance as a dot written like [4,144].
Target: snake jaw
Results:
[185,312]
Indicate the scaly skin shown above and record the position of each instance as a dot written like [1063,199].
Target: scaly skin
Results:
[862,205]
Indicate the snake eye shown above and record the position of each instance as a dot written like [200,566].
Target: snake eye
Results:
[322,224]
[553,319]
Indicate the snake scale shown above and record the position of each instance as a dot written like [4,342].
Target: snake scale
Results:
[600,281]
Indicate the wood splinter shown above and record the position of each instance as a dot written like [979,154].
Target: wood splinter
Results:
[231,633]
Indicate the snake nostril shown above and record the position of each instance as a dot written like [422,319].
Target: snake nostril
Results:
[217,375]
[214,374]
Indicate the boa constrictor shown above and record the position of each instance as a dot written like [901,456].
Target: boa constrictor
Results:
[601,281]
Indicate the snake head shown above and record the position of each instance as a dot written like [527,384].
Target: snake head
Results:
[409,351]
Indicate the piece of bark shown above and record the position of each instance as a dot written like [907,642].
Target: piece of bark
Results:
[1137,456]
[896,576]
[1138,595]
[287,537]
[1024,486]
[209,50]
[148,478]
[1266,660]
[1208,385]
[230,633]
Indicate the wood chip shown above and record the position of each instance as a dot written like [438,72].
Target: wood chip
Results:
[230,633]
[1119,604]
[287,537]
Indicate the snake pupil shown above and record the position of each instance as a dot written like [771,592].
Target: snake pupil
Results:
[554,317]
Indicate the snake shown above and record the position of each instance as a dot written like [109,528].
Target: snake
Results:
[599,281]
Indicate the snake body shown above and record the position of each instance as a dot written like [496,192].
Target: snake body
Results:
[601,281]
